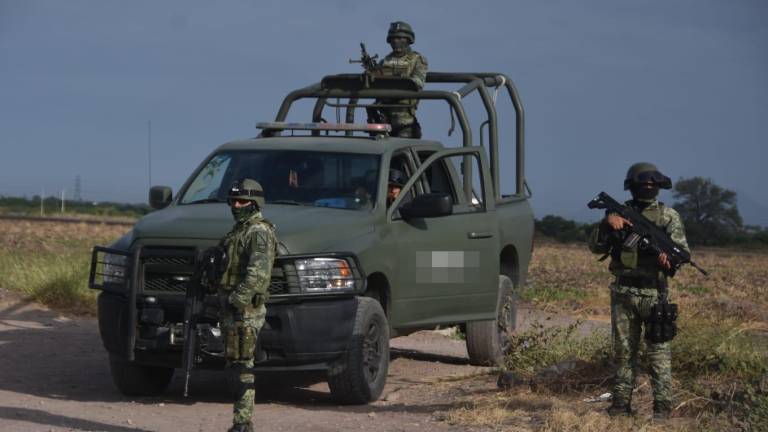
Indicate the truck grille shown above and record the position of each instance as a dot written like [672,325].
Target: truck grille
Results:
[168,271]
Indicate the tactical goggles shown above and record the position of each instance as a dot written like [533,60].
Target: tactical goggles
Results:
[653,177]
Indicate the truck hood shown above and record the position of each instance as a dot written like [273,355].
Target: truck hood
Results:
[301,229]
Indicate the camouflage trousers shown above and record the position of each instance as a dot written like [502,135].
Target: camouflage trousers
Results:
[240,335]
[630,307]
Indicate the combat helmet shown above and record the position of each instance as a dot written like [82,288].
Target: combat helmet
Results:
[401,28]
[397,178]
[246,189]
[646,172]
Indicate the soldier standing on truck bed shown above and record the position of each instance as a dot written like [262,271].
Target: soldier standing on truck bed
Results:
[243,291]
[406,63]
[639,282]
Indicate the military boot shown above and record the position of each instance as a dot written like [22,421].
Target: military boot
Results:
[661,410]
[241,427]
[619,408]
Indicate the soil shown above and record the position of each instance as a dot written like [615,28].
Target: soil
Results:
[54,376]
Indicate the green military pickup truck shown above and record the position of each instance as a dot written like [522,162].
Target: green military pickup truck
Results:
[354,268]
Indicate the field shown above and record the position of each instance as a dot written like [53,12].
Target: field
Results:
[48,261]
[719,356]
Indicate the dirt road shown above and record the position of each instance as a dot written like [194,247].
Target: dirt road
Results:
[54,376]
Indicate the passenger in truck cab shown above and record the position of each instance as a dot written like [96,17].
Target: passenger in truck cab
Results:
[395,185]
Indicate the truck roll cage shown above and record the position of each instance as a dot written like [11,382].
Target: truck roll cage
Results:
[354,87]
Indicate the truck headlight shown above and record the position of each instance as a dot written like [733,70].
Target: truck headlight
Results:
[114,268]
[320,275]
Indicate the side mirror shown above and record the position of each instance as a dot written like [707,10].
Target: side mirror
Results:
[427,205]
[160,197]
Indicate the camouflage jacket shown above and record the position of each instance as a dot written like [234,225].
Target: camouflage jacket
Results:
[634,262]
[251,248]
[410,65]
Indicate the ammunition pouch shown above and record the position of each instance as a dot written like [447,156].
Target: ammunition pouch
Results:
[661,325]
[240,342]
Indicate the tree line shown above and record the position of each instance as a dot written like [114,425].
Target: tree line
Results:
[51,206]
[710,214]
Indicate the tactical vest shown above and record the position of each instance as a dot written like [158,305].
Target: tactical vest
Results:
[237,245]
[632,261]
[402,67]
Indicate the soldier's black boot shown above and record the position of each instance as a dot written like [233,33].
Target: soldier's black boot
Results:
[619,408]
[661,410]
[241,427]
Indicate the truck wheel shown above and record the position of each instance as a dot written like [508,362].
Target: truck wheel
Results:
[486,339]
[139,380]
[358,377]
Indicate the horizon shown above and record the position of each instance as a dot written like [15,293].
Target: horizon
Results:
[604,85]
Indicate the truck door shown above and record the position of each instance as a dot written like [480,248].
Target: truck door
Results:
[448,266]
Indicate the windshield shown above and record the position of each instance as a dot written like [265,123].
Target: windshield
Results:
[338,180]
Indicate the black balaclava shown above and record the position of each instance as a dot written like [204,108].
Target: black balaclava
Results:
[243,213]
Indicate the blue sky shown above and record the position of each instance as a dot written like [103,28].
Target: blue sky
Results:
[604,83]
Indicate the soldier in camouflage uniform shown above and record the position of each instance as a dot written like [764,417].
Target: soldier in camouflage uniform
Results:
[407,63]
[243,290]
[636,289]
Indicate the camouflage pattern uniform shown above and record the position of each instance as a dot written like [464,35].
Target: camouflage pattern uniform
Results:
[633,294]
[409,64]
[243,292]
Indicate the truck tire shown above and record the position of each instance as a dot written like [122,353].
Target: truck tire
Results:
[358,377]
[486,339]
[139,380]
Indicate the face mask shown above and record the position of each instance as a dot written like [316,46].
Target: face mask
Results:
[243,213]
[399,45]
[645,194]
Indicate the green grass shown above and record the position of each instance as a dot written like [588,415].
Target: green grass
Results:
[57,280]
[720,365]
[534,350]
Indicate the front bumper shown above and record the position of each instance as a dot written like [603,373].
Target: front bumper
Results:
[141,310]
[302,334]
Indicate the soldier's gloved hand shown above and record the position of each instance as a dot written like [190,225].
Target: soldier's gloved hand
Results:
[664,261]
[617,222]
[236,303]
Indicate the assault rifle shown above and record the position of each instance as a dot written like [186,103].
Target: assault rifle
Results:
[645,234]
[208,270]
[368,63]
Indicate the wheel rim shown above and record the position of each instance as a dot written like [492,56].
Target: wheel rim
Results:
[372,351]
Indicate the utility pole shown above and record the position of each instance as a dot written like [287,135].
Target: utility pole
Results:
[149,145]
[62,200]
[42,198]
[78,197]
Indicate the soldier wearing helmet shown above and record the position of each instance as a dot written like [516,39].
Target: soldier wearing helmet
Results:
[635,290]
[407,63]
[395,185]
[243,291]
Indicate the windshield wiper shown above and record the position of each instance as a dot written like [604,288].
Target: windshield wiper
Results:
[206,200]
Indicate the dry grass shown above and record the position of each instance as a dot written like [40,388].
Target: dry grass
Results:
[569,278]
[49,261]
[720,357]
